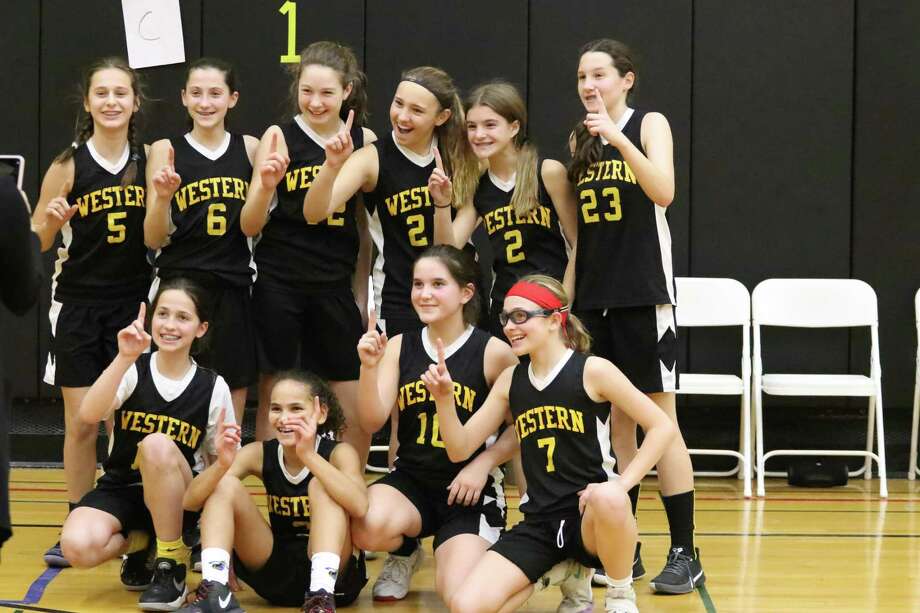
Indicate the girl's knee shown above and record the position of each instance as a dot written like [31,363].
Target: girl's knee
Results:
[81,545]
[463,601]
[610,502]
[157,451]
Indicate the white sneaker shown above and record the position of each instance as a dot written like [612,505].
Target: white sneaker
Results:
[396,574]
[620,600]
[574,581]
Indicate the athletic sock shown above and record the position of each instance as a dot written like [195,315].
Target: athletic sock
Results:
[679,509]
[324,570]
[619,583]
[215,565]
[633,494]
[408,547]
[137,540]
[173,550]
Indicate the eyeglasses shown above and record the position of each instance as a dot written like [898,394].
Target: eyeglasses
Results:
[519,316]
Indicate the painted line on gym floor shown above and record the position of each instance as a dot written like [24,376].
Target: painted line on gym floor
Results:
[37,589]
[707,599]
[794,534]
[23,607]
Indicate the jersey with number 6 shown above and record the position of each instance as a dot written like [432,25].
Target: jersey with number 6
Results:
[205,233]
[421,449]
[624,244]
[102,257]
[564,437]
[402,222]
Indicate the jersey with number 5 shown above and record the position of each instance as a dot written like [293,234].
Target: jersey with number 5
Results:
[102,256]
[204,232]
[564,437]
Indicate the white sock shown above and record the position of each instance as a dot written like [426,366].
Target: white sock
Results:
[324,570]
[215,565]
[618,584]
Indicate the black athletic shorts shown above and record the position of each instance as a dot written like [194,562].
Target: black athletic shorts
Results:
[317,331]
[124,502]
[285,576]
[536,546]
[641,341]
[84,340]
[445,521]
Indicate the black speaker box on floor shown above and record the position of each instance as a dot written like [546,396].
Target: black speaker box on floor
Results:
[817,471]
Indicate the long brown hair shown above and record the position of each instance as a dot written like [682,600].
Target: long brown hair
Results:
[503,98]
[463,269]
[342,60]
[460,163]
[84,126]
[588,149]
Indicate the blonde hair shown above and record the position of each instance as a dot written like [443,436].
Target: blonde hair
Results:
[503,98]
[576,336]
[460,162]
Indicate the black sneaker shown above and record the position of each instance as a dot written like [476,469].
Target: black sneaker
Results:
[196,558]
[54,557]
[681,574]
[167,591]
[213,597]
[137,568]
[319,601]
[638,569]
[192,539]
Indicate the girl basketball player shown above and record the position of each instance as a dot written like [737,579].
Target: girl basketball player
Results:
[428,493]
[93,194]
[623,170]
[312,287]
[516,197]
[312,484]
[197,185]
[560,406]
[166,412]
[406,187]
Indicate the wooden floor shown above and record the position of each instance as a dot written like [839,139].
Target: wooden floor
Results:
[840,549]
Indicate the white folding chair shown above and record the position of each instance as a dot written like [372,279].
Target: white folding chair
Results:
[708,302]
[819,303]
[913,471]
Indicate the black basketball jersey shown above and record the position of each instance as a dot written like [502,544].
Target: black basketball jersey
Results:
[286,494]
[421,450]
[564,438]
[403,212]
[145,411]
[205,233]
[624,244]
[293,253]
[102,256]
[521,245]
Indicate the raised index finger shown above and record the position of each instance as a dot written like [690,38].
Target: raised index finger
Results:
[171,157]
[372,320]
[221,416]
[349,120]
[142,312]
[438,162]
[442,362]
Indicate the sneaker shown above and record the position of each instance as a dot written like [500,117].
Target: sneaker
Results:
[395,576]
[620,600]
[168,589]
[196,558]
[192,539]
[681,574]
[137,568]
[577,596]
[54,557]
[638,569]
[319,601]
[212,597]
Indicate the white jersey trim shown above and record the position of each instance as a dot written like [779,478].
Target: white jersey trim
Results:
[603,441]
[419,160]
[112,169]
[505,186]
[313,134]
[211,154]
[664,244]
[377,275]
[664,319]
[304,472]
[450,350]
[621,123]
[542,384]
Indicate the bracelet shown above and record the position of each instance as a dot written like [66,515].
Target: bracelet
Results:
[442,206]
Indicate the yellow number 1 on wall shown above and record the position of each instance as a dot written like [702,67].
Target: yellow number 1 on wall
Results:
[289,8]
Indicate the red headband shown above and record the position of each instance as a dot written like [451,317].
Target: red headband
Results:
[541,297]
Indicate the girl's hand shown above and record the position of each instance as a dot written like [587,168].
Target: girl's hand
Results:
[133,340]
[227,441]
[372,343]
[340,146]
[599,123]
[165,181]
[439,186]
[58,211]
[437,378]
[467,486]
[583,496]
[304,431]
[273,166]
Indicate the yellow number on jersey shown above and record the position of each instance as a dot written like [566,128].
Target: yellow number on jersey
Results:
[417,236]
[513,251]
[337,218]
[435,431]
[589,204]
[289,8]
[217,223]
[550,442]
[116,230]
[614,194]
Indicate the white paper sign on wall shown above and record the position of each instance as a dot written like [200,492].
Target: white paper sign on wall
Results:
[153,29]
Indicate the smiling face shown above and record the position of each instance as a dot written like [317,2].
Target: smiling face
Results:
[414,114]
[111,99]
[320,95]
[489,133]
[599,80]
[291,400]
[208,97]
[533,333]
[436,295]
[175,323]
